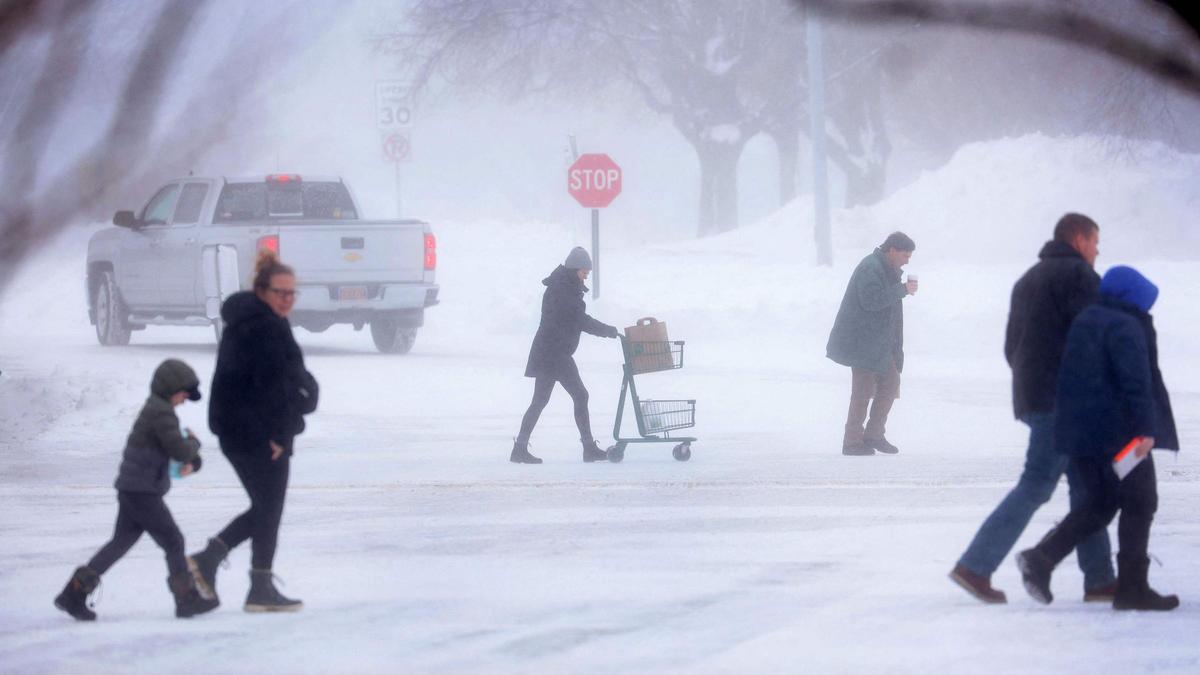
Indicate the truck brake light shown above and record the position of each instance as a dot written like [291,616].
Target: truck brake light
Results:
[269,242]
[283,178]
[430,251]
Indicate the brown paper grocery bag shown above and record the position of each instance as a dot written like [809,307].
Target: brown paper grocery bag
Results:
[649,347]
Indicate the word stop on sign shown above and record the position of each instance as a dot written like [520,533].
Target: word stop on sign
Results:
[595,179]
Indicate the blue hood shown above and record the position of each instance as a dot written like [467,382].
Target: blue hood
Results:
[1128,285]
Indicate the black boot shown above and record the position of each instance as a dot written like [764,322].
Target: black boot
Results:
[264,597]
[881,444]
[593,453]
[520,454]
[73,599]
[1036,568]
[1133,589]
[203,566]
[188,602]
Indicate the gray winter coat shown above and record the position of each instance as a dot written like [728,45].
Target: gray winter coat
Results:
[155,438]
[869,330]
[563,320]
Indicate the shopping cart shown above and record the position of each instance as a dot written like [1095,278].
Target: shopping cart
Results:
[656,418]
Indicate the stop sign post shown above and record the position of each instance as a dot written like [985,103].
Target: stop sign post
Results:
[594,180]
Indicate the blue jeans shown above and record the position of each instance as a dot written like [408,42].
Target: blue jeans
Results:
[1043,468]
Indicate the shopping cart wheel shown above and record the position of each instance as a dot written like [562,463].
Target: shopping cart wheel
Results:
[616,453]
[682,452]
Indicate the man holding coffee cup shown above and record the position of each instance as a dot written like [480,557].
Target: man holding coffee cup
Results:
[868,336]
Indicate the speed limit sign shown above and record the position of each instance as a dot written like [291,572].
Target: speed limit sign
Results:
[393,107]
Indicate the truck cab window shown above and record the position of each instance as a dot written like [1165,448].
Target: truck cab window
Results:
[158,209]
[310,200]
[190,202]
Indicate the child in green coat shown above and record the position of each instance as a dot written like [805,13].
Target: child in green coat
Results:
[141,484]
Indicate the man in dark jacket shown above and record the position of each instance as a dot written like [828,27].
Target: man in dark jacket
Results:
[868,336]
[1110,395]
[142,482]
[551,357]
[1045,300]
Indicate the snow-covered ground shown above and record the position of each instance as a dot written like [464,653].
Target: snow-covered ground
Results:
[417,546]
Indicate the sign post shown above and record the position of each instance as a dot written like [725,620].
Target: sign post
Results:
[393,116]
[594,180]
[816,115]
[397,148]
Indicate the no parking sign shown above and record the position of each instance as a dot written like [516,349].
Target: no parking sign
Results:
[397,146]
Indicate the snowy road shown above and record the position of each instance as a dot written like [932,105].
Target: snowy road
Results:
[417,547]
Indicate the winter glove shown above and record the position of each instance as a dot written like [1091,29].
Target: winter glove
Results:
[196,463]
[612,332]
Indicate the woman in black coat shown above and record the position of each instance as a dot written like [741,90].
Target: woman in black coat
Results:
[550,357]
[260,393]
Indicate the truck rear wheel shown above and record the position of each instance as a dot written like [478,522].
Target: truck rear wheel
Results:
[111,328]
[392,337]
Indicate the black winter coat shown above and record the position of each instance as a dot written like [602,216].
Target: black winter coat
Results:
[869,329]
[1045,300]
[1110,389]
[155,439]
[563,319]
[260,390]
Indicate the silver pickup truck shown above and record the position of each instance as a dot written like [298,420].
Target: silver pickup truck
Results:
[195,241]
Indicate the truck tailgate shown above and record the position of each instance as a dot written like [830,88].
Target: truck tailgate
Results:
[355,251]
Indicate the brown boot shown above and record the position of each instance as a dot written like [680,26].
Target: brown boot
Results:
[1104,593]
[977,585]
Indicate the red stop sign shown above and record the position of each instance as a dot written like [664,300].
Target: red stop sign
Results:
[594,180]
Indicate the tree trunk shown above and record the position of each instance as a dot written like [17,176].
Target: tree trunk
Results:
[865,170]
[718,186]
[864,147]
[787,146]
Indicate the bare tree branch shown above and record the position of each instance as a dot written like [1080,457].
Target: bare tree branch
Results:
[1053,21]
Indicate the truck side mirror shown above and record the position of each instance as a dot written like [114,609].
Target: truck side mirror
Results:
[125,219]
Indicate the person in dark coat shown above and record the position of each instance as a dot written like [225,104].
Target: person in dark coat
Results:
[142,482]
[260,394]
[1045,300]
[868,336]
[1110,394]
[551,355]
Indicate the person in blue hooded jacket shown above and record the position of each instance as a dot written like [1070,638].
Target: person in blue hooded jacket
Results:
[1110,393]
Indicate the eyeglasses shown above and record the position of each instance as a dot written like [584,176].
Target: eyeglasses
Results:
[285,293]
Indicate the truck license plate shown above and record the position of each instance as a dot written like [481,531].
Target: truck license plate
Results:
[352,293]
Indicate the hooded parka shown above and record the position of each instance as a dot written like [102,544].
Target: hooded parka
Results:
[1045,300]
[563,319]
[156,438]
[261,389]
[1110,389]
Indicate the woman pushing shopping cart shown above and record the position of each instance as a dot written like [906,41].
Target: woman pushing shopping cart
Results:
[551,357]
